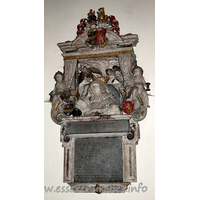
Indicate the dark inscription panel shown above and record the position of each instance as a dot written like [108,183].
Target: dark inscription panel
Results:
[102,126]
[98,160]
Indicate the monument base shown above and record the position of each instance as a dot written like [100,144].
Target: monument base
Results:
[98,154]
[99,187]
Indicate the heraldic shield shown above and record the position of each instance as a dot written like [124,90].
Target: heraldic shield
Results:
[68,108]
[128,106]
[96,38]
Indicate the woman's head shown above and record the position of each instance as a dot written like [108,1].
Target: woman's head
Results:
[98,87]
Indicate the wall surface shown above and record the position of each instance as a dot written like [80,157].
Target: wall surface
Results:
[61,18]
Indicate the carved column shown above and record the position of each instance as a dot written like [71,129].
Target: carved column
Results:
[125,61]
[129,160]
[68,175]
[69,72]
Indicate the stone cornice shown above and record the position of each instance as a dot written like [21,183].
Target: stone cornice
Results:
[96,55]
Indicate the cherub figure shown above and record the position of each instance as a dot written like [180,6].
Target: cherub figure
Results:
[88,73]
[111,75]
[85,77]
[118,74]
[60,89]
[139,83]
[115,76]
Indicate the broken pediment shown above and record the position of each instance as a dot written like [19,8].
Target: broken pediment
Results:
[97,34]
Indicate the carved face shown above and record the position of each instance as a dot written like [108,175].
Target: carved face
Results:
[84,69]
[119,76]
[59,77]
[137,72]
[96,89]
[109,72]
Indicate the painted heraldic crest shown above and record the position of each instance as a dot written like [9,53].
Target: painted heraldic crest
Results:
[128,106]
[96,38]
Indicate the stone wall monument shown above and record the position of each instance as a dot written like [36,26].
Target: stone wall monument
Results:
[98,101]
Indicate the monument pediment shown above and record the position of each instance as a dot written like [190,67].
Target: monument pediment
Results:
[97,33]
[114,42]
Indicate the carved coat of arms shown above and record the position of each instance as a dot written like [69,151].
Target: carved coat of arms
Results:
[97,38]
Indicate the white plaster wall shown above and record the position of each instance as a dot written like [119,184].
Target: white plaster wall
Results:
[61,18]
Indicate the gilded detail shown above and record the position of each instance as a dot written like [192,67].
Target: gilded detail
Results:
[97,55]
[55,107]
[102,78]
[140,100]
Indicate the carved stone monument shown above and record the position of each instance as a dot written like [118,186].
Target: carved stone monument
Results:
[98,101]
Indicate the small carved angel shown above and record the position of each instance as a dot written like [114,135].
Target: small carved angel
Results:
[111,75]
[60,90]
[85,77]
[88,73]
[116,79]
[139,82]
